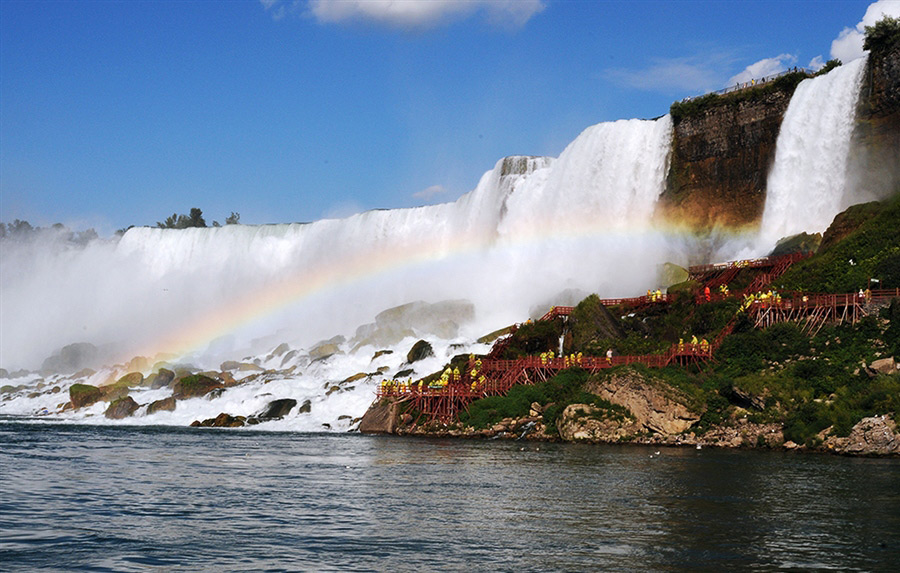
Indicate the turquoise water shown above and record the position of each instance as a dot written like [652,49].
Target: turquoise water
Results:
[162,499]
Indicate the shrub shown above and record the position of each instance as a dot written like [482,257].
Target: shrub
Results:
[884,34]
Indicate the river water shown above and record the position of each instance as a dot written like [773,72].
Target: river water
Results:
[78,497]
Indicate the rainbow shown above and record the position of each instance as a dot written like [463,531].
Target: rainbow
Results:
[371,263]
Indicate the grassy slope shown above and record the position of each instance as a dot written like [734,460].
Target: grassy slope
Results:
[808,384]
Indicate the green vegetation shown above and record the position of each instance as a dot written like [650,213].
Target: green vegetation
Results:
[786,83]
[554,396]
[176,221]
[883,35]
[829,65]
[872,250]
[779,375]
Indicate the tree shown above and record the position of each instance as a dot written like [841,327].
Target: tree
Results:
[176,221]
[233,219]
[829,65]
[883,34]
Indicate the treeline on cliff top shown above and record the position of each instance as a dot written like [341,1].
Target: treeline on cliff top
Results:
[880,38]
[777,375]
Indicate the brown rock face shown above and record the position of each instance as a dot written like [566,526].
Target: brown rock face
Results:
[873,436]
[875,155]
[655,406]
[381,418]
[720,161]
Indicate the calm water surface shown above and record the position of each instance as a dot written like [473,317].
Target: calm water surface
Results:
[162,499]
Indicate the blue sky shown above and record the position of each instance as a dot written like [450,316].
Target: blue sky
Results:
[118,113]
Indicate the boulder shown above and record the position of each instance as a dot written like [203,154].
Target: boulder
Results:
[223,420]
[193,386]
[884,366]
[305,408]
[83,395]
[870,436]
[380,418]
[121,408]
[585,422]
[655,405]
[277,409]
[130,380]
[420,350]
[162,378]
[166,404]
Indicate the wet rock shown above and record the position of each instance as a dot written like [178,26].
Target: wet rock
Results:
[381,353]
[223,420]
[277,409]
[162,379]
[131,380]
[420,350]
[405,373]
[380,418]
[194,386]
[164,405]
[121,408]
[305,408]
[82,395]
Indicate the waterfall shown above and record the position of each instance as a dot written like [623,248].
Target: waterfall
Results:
[532,228]
[808,185]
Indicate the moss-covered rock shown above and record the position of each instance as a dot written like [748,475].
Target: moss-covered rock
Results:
[82,395]
[121,408]
[130,380]
[420,350]
[194,386]
[164,405]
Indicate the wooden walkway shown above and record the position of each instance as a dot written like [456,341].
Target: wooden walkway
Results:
[493,376]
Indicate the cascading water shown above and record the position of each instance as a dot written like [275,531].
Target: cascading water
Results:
[532,227]
[808,185]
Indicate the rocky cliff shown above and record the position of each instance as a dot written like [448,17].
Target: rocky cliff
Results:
[721,156]
[876,140]
[724,147]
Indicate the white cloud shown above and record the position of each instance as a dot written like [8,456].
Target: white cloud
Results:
[416,14]
[849,43]
[430,192]
[691,74]
[816,63]
[763,68]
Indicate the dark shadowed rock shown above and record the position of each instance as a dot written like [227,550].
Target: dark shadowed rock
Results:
[420,350]
[83,395]
[121,408]
[305,408]
[166,404]
[223,420]
[277,409]
[71,358]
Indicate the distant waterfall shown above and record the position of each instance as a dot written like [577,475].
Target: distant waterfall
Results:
[531,228]
[808,185]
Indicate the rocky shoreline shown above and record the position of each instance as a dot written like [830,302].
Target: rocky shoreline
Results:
[647,413]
